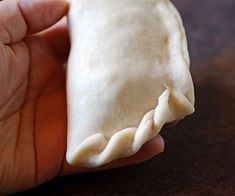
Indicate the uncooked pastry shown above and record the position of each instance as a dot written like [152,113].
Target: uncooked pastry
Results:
[128,75]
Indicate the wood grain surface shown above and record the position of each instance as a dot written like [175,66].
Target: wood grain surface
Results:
[199,158]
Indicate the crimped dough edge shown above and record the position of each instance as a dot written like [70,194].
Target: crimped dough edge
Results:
[97,150]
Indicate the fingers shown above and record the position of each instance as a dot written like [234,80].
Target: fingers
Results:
[17,18]
[148,151]
[13,27]
[41,14]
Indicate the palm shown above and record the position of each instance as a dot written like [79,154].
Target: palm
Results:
[35,119]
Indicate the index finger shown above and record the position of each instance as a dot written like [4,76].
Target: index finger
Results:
[21,17]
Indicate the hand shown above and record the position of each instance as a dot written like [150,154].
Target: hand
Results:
[33,96]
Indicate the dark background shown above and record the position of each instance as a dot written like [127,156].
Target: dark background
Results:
[199,158]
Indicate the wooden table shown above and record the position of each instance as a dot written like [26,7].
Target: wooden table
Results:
[200,152]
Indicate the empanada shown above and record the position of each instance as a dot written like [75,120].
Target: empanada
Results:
[128,75]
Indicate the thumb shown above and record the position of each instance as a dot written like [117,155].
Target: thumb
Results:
[20,17]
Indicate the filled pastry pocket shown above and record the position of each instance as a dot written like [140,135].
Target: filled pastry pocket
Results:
[128,75]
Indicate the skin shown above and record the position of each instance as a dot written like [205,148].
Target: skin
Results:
[33,96]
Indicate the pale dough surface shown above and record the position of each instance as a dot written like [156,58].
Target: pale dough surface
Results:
[128,75]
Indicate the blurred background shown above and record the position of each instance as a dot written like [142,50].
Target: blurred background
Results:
[199,158]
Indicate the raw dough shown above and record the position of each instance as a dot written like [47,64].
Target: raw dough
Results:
[128,75]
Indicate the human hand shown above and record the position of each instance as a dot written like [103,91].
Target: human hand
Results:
[33,96]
